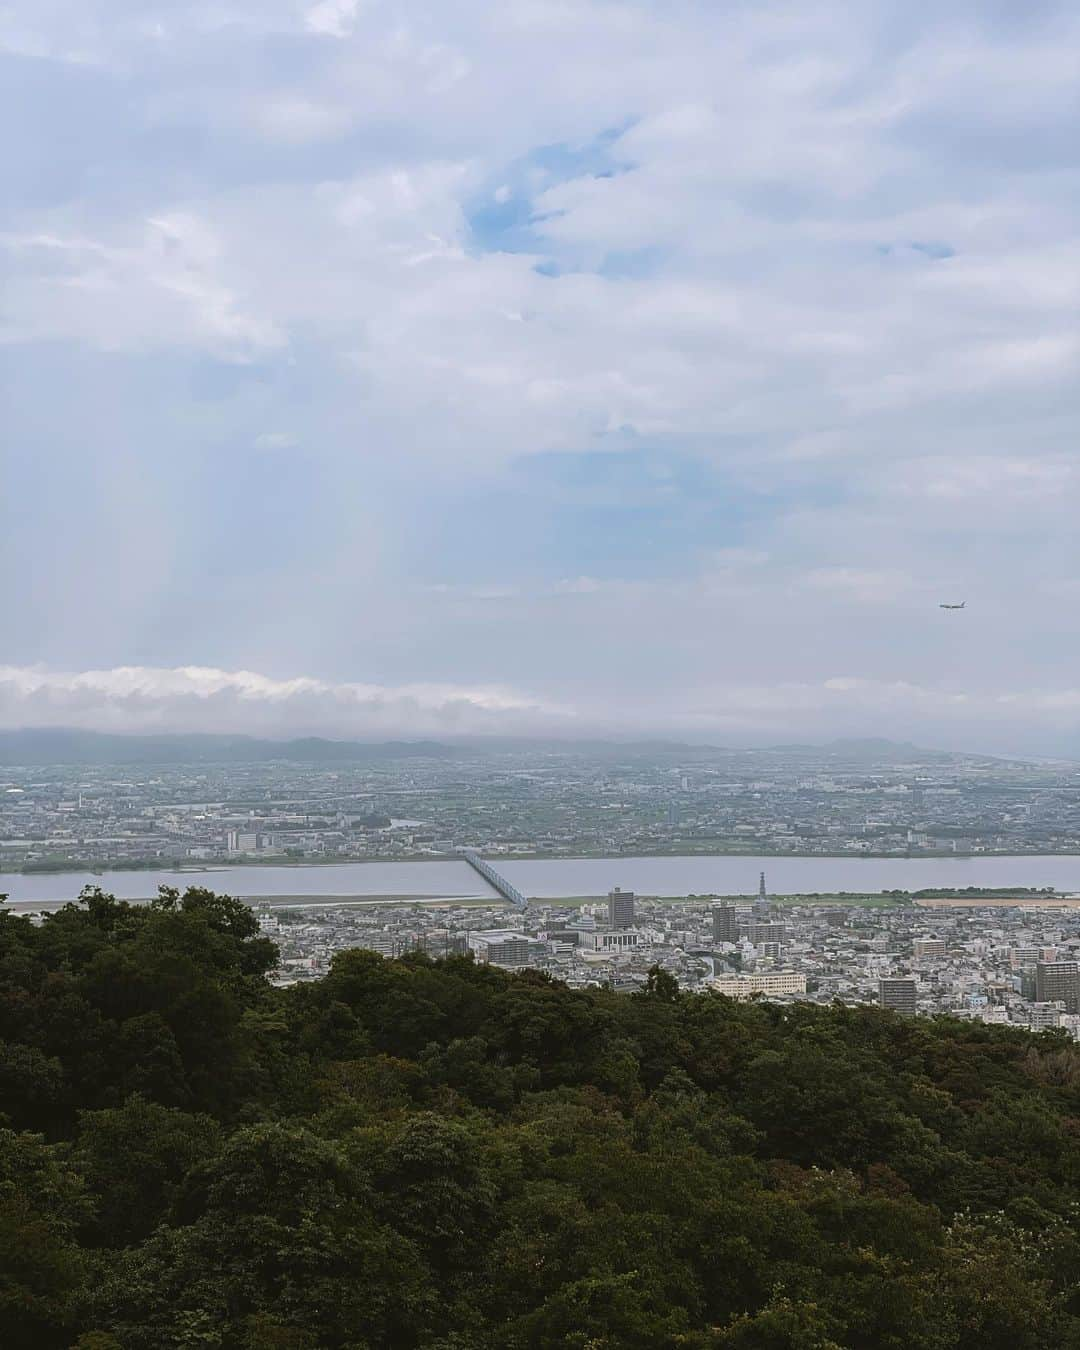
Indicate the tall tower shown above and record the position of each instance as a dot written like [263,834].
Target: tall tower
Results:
[620,908]
[762,907]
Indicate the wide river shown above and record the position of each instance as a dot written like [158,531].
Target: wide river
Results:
[558,877]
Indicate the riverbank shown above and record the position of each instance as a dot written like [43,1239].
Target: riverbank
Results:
[878,881]
[306,902]
[185,866]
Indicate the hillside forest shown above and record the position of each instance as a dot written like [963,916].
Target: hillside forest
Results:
[442,1155]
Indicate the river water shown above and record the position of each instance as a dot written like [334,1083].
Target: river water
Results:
[559,877]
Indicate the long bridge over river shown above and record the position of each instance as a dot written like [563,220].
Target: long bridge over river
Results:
[492,877]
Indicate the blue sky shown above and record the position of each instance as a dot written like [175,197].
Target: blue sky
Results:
[555,365]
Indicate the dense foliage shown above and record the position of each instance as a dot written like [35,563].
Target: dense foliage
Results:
[439,1154]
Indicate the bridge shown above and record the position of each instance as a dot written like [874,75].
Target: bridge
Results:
[492,877]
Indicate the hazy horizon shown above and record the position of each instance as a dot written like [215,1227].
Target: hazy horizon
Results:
[42,737]
[542,369]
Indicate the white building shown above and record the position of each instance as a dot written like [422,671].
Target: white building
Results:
[609,942]
[502,947]
[1044,1016]
[767,982]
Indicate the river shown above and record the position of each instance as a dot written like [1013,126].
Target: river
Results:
[557,877]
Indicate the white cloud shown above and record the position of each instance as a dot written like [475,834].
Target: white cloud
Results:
[763,188]
[197,698]
[333,18]
[161,284]
[275,440]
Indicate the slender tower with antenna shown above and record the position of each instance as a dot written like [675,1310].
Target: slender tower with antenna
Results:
[762,907]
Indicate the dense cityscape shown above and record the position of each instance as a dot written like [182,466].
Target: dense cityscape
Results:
[1005,956]
[1013,963]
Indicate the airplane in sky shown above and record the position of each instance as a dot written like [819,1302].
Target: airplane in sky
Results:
[959,606]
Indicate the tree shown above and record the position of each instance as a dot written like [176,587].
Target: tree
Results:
[274,1236]
[442,1155]
[782,1325]
[43,1271]
[134,1158]
[662,985]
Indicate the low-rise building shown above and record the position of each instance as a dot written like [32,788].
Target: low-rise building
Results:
[770,983]
[609,941]
[501,947]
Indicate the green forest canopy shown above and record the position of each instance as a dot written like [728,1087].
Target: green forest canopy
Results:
[422,1153]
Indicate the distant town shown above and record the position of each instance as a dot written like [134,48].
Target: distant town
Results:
[857,798]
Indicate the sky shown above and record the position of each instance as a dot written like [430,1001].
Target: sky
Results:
[542,366]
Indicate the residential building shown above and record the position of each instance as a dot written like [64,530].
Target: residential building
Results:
[1056,980]
[725,924]
[897,995]
[1044,1016]
[501,947]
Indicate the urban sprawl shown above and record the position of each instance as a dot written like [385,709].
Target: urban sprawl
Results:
[1007,958]
[857,798]
[1008,964]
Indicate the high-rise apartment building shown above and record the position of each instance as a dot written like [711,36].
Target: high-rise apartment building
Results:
[725,924]
[924,947]
[898,995]
[620,908]
[1058,981]
[758,931]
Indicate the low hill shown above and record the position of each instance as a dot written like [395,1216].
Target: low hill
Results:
[38,746]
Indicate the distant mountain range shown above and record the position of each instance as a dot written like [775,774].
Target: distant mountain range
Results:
[63,746]
[850,750]
[36,746]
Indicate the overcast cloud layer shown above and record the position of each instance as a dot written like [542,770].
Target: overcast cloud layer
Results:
[557,366]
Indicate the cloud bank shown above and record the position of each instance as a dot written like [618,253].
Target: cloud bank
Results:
[195,698]
[199,699]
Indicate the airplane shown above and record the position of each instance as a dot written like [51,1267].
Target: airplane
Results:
[959,606]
